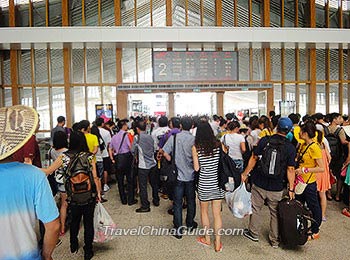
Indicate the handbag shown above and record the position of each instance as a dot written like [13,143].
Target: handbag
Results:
[343,171]
[169,170]
[332,178]
[228,168]
[301,185]
[122,159]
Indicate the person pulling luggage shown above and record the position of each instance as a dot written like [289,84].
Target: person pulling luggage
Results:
[274,158]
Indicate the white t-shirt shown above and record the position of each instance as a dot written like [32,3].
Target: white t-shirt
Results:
[255,134]
[157,134]
[233,142]
[106,136]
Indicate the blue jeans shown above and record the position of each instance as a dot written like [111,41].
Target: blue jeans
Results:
[310,196]
[99,169]
[186,188]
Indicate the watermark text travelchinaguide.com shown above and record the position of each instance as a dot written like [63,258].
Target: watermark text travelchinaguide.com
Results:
[163,231]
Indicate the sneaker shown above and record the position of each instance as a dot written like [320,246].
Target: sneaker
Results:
[142,210]
[275,246]
[103,200]
[171,211]
[88,256]
[132,202]
[194,226]
[73,249]
[156,203]
[249,235]
[177,236]
[106,188]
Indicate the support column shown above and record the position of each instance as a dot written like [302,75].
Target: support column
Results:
[312,87]
[13,57]
[122,96]
[171,106]
[341,61]
[312,62]
[66,67]
[169,13]
[220,103]
[122,104]
[267,55]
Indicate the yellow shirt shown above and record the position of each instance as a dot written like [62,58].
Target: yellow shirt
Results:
[309,160]
[92,142]
[265,132]
[296,132]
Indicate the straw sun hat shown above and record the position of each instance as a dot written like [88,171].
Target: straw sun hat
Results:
[17,125]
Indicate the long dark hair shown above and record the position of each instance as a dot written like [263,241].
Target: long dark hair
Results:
[205,140]
[77,142]
[319,136]
[59,140]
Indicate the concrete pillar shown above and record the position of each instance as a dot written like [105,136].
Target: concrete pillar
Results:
[122,104]
[171,104]
[220,103]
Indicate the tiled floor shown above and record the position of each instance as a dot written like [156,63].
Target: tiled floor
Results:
[333,243]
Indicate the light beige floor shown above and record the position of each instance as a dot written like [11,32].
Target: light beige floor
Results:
[333,244]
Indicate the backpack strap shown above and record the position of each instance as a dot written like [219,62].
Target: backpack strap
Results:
[337,132]
[73,158]
[174,149]
[224,143]
[301,157]
[121,142]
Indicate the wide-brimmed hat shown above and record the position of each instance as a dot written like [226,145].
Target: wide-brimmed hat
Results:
[17,125]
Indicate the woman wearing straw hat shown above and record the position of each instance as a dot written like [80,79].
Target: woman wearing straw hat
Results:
[25,194]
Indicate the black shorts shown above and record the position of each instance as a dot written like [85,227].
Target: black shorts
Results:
[336,166]
[107,164]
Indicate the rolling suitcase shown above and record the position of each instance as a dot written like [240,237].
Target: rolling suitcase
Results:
[294,220]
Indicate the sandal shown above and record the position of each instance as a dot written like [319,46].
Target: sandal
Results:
[345,212]
[313,236]
[202,241]
[220,248]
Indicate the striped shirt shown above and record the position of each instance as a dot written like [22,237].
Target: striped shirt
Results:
[208,184]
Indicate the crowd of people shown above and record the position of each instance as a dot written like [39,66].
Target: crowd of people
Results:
[135,150]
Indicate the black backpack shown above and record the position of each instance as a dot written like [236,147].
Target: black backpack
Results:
[248,152]
[293,219]
[79,183]
[334,142]
[273,161]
